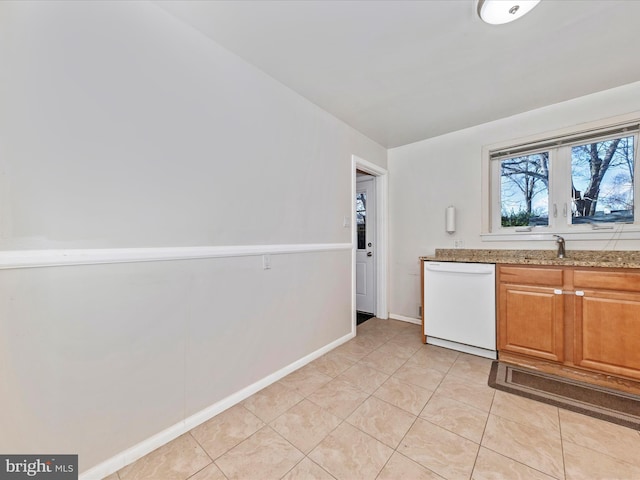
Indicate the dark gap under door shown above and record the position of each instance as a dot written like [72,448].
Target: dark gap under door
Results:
[363,317]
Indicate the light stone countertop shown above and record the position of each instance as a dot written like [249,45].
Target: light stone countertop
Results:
[577,258]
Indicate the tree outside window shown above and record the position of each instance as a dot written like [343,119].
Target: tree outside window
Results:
[593,183]
[525,190]
[602,181]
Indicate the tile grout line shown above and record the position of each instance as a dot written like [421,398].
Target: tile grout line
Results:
[389,342]
[305,397]
[395,449]
[419,417]
[236,444]
[370,395]
[564,464]
[342,421]
[511,458]
[449,372]
[484,430]
[205,452]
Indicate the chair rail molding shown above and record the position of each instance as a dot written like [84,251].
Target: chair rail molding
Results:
[11,259]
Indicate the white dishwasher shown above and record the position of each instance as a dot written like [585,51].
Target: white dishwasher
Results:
[460,306]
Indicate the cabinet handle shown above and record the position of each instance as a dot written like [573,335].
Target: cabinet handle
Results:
[579,293]
[564,210]
[557,292]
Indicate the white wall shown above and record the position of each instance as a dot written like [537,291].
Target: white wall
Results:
[427,176]
[121,127]
[97,358]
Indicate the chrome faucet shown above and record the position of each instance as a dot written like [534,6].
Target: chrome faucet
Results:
[560,242]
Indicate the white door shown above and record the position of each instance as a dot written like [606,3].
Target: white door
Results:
[365,245]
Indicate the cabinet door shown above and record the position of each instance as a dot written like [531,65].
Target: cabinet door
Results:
[607,332]
[531,321]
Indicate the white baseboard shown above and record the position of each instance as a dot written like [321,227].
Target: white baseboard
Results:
[138,451]
[395,316]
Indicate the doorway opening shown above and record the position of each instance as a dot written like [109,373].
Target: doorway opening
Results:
[366,246]
[369,269]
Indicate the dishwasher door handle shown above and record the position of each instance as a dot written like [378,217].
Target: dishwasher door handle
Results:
[465,270]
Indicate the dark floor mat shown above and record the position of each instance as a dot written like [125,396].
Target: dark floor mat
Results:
[599,402]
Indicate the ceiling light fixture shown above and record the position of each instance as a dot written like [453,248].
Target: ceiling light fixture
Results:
[497,12]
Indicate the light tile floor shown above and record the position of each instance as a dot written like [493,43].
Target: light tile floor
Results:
[385,406]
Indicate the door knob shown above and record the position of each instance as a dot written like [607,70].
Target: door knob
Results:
[369,254]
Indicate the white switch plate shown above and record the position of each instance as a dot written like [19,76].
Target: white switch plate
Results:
[266,262]
[346,222]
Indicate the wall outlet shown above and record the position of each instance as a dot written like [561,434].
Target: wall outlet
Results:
[266,262]
[458,244]
[419,311]
[346,222]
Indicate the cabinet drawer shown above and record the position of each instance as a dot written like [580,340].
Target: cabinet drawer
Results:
[606,279]
[531,275]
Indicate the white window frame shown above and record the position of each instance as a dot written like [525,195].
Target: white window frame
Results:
[559,184]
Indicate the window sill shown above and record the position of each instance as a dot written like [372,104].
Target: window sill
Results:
[627,232]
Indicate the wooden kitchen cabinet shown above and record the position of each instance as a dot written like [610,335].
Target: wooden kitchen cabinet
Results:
[607,322]
[531,312]
[574,321]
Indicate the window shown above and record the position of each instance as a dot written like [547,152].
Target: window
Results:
[524,190]
[577,182]
[602,181]
[361,219]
